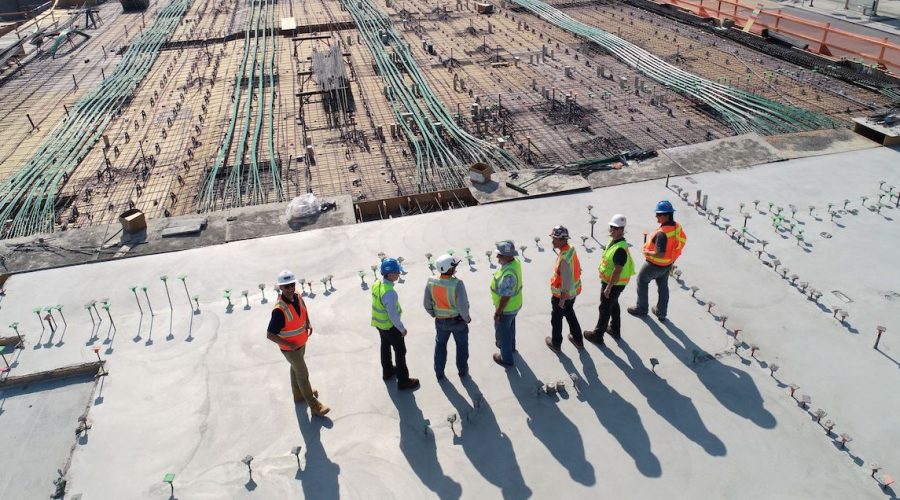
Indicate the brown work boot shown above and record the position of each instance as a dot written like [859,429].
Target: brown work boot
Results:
[299,398]
[319,409]
[579,344]
[552,347]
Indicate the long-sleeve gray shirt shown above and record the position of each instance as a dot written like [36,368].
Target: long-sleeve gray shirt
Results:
[390,302]
[462,301]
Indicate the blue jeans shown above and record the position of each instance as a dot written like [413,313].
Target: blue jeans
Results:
[651,272]
[505,336]
[460,331]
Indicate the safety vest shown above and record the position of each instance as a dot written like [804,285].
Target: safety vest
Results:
[443,294]
[380,318]
[513,269]
[675,240]
[566,253]
[607,266]
[294,331]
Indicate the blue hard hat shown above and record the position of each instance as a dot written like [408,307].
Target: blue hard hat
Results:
[665,207]
[389,266]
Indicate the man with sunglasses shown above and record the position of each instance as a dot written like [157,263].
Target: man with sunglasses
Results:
[289,327]
[661,250]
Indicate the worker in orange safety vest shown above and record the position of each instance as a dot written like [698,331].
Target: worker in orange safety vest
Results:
[565,285]
[661,250]
[289,327]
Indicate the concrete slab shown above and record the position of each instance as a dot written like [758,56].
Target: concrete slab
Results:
[722,154]
[206,389]
[819,142]
[654,168]
[497,190]
[38,434]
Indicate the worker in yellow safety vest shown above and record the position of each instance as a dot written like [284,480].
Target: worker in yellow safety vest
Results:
[386,312]
[506,294]
[565,285]
[289,327]
[661,250]
[616,269]
[446,301]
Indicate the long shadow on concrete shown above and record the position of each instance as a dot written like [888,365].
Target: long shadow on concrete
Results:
[548,423]
[319,477]
[619,417]
[419,447]
[732,387]
[668,403]
[486,446]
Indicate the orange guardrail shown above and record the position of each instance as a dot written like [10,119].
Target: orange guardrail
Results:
[822,37]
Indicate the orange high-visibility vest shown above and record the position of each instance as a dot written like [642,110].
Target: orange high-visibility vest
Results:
[443,294]
[675,241]
[566,253]
[294,331]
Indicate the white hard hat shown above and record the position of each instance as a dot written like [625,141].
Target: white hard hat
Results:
[446,262]
[286,278]
[617,220]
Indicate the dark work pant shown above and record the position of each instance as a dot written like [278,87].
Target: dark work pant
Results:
[394,339]
[651,272]
[556,317]
[609,311]
[459,330]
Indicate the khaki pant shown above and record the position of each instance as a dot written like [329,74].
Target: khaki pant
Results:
[300,376]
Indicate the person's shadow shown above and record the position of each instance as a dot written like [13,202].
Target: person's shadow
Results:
[548,423]
[418,445]
[618,416]
[319,476]
[732,387]
[486,446]
[668,403]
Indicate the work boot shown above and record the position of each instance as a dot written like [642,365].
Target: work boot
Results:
[388,374]
[635,312]
[412,383]
[615,335]
[552,347]
[656,313]
[499,360]
[319,409]
[299,398]
[593,337]
[578,344]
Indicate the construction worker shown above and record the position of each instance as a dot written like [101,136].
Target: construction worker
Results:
[616,268]
[661,250]
[386,318]
[446,301]
[289,327]
[565,285]
[506,293]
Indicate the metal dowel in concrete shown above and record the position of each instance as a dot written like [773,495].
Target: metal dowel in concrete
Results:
[819,414]
[724,319]
[374,274]
[37,311]
[96,350]
[805,401]
[246,460]
[21,344]
[772,369]
[262,291]
[694,290]
[183,278]
[5,362]
[59,309]
[165,280]
[845,438]
[753,349]
[756,204]
[425,426]
[593,222]
[138,300]
[30,121]
[362,278]
[878,331]
[227,296]
[793,388]
[296,452]
[88,308]
[106,308]
[811,208]
[875,468]
[196,299]
[709,306]
[451,419]
[170,480]
[147,296]
[653,363]
[828,425]
[737,347]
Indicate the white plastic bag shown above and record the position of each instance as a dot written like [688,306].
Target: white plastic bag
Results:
[303,206]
